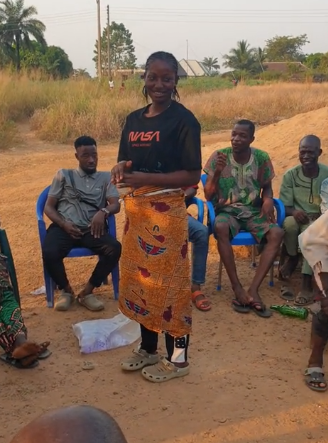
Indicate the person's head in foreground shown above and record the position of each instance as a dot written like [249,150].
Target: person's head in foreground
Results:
[86,154]
[242,136]
[161,78]
[73,424]
[310,151]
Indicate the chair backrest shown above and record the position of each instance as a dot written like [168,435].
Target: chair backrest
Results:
[41,202]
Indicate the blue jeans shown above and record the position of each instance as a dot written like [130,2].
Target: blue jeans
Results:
[198,236]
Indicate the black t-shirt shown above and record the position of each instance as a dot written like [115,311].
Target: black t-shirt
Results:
[165,143]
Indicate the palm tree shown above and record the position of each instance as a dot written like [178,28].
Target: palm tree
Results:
[241,58]
[81,73]
[211,63]
[17,24]
[260,56]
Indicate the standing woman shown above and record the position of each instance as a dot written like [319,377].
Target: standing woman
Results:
[160,152]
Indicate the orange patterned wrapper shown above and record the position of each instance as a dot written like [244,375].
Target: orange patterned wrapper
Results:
[155,270]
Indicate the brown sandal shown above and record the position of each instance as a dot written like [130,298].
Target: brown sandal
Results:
[202,304]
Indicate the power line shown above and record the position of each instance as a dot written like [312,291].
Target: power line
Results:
[198,12]
[193,13]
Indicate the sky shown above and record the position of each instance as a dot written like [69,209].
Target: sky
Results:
[211,28]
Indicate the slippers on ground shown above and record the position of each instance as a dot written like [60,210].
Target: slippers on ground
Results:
[18,364]
[45,353]
[314,377]
[91,302]
[202,304]
[304,298]
[286,293]
[260,309]
[238,307]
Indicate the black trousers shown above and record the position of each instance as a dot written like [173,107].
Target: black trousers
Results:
[58,244]
[177,347]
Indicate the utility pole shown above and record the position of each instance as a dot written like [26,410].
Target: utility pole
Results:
[108,45]
[187,58]
[99,39]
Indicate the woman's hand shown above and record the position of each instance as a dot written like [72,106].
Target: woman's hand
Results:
[119,170]
[134,180]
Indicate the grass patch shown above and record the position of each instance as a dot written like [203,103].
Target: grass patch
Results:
[62,110]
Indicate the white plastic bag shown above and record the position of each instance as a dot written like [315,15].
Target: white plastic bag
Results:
[102,335]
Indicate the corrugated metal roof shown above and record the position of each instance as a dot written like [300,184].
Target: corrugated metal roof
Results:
[193,68]
[282,66]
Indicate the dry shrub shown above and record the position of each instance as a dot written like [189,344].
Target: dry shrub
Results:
[62,110]
[104,114]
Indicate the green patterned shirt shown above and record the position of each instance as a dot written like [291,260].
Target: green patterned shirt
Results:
[300,192]
[241,185]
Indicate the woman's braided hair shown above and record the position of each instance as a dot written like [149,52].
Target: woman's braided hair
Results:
[170,60]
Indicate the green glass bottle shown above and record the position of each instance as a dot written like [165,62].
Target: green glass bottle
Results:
[291,311]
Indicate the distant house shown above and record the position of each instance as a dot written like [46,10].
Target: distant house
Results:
[125,74]
[283,67]
[192,68]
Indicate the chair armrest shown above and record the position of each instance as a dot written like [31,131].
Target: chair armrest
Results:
[200,207]
[281,213]
[111,224]
[210,217]
[42,230]
[39,213]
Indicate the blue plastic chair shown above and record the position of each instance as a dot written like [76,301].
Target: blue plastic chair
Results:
[200,207]
[75,252]
[243,238]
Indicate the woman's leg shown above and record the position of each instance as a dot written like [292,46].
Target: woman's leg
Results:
[13,333]
[177,350]
[145,355]
[149,340]
[12,329]
[176,364]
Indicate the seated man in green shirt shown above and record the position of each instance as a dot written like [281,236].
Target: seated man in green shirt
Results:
[239,184]
[300,193]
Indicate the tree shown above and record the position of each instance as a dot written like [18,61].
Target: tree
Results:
[242,58]
[57,63]
[17,25]
[211,63]
[53,60]
[317,62]
[260,56]
[81,73]
[286,48]
[122,51]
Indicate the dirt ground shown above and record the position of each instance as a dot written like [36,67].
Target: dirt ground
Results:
[245,384]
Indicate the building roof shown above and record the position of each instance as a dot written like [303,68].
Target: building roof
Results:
[282,66]
[193,68]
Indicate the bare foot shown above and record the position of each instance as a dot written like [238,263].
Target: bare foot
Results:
[255,300]
[88,289]
[286,271]
[241,295]
[26,349]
